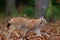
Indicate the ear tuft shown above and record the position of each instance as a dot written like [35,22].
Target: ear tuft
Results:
[42,17]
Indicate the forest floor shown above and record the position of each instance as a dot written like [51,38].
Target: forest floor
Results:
[52,30]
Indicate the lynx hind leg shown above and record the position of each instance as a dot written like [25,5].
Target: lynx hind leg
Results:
[38,32]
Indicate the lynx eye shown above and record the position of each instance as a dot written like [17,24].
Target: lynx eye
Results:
[43,23]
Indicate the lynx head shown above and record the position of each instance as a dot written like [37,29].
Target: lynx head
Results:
[43,21]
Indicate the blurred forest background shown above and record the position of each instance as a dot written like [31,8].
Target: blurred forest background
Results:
[26,8]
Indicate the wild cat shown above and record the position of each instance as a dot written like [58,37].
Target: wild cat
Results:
[26,24]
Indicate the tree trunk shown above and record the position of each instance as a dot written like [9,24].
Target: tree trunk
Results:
[11,8]
[41,7]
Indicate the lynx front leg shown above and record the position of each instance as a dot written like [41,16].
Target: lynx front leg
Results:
[37,30]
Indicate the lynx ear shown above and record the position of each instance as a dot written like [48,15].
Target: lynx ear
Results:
[42,17]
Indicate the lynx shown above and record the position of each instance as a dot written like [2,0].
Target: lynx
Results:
[26,24]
